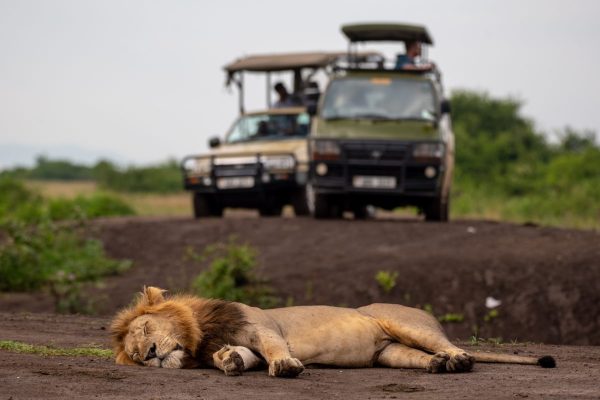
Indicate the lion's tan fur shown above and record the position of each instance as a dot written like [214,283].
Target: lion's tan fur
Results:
[185,331]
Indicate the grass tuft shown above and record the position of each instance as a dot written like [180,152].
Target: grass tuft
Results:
[46,351]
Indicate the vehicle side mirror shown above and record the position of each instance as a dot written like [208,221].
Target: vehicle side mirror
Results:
[445,107]
[311,110]
[214,142]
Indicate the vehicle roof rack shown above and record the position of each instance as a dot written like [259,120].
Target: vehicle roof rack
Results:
[386,32]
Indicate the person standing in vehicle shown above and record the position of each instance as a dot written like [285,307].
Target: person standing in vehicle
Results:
[285,98]
[410,59]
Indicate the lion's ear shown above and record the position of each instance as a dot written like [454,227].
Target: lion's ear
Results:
[152,295]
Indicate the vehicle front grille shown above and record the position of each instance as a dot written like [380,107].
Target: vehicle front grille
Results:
[236,170]
[374,152]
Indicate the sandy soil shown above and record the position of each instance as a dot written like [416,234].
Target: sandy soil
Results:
[547,279]
[31,376]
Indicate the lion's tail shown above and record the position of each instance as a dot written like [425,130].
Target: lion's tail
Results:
[544,362]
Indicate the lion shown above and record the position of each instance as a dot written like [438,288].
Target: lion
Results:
[184,331]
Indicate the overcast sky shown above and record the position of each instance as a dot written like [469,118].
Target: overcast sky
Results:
[140,81]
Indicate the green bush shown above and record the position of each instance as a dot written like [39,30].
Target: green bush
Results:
[18,202]
[162,178]
[94,206]
[386,280]
[507,170]
[37,253]
[230,275]
[46,254]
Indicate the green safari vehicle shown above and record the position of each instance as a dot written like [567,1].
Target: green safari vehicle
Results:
[382,135]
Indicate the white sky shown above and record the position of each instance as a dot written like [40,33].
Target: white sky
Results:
[142,80]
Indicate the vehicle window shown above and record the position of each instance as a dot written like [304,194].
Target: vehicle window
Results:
[261,127]
[379,98]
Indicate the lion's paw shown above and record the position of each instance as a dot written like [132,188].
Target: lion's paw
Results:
[462,362]
[229,361]
[233,364]
[286,368]
[438,361]
[174,360]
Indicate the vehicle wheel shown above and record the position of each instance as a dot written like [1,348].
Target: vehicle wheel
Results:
[204,206]
[270,210]
[436,210]
[360,212]
[300,203]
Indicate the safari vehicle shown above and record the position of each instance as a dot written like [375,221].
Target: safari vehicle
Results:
[382,136]
[262,162]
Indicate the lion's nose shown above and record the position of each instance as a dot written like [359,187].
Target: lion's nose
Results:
[151,352]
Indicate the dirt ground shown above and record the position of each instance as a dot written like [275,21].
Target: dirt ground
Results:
[547,280]
[30,376]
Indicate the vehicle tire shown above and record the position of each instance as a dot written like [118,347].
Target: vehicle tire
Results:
[360,212]
[204,206]
[436,210]
[300,203]
[271,210]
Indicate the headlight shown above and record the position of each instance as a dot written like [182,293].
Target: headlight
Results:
[197,166]
[325,150]
[428,151]
[277,162]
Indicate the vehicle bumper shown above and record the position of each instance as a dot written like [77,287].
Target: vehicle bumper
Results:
[413,179]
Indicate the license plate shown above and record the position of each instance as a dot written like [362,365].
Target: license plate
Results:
[374,182]
[238,182]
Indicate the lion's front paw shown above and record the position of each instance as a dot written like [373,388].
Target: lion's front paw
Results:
[462,362]
[233,364]
[438,361]
[229,361]
[286,368]
[173,360]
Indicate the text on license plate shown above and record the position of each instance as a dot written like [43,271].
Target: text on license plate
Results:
[375,182]
[235,182]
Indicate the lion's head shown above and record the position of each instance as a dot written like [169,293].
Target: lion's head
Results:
[157,332]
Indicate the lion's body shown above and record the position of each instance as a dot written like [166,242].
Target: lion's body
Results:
[185,331]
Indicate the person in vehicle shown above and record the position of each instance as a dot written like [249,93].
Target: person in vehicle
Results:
[285,98]
[262,129]
[409,60]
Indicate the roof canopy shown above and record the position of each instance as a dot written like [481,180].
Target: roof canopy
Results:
[386,32]
[290,61]
[282,62]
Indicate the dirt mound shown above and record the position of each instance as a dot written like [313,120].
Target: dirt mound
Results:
[547,279]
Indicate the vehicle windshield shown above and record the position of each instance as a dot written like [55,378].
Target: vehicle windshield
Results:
[269,127]
[379,98]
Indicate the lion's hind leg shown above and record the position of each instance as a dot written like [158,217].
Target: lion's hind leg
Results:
[418,329]
[234,360]
[396,355]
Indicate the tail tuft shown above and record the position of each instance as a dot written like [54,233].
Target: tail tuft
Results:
[547,362]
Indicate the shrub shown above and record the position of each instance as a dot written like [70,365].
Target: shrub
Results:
[17,201]
[386,280]
[48,254]
[230,275]
[161,178]
[96,205]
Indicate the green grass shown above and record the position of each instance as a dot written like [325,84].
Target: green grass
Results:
[47,351]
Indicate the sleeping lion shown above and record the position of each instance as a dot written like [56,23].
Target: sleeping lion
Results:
[184,331]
